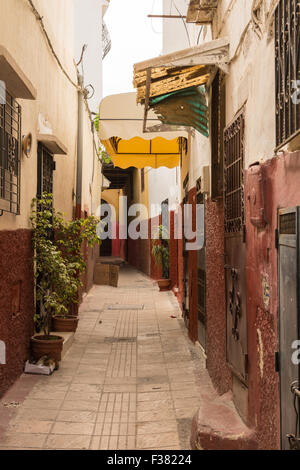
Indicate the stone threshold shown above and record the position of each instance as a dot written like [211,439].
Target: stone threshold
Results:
[218,426]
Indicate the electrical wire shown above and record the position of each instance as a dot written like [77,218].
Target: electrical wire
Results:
[200,32]
[184,23]
[40,20]
[152,27]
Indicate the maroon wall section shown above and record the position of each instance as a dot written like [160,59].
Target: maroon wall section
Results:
[193,276]
[16,302]
[173,253]
[139,253]
[118,246]
[180,293]
[215,297]
[280,183]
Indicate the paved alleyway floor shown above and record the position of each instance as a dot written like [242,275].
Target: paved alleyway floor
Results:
[131,379]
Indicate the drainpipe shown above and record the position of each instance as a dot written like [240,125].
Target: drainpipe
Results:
[78,210]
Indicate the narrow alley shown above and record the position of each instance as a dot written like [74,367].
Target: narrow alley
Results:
[150,226]
[131,379]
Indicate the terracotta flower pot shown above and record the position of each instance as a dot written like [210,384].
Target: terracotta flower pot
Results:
[164,284]
[65,324]
[51,346]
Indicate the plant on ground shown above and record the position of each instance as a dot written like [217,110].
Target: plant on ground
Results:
[59,260]
[161,249]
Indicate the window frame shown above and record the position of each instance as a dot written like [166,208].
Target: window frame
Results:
[287,72]
[10,155]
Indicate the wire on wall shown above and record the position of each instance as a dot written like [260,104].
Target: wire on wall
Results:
[40,20]
[184,23]
[78,88]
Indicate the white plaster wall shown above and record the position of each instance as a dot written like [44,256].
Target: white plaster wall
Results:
[164,183]
[251,81]
[88,30]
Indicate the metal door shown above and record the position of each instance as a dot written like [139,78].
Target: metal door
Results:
[235,252]
[288,270]
[106,244]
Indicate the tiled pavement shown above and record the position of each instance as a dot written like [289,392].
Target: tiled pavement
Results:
[130,380]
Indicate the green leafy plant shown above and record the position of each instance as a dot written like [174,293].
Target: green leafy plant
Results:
[70,237]
[161,249]
[105,158]
[58,258]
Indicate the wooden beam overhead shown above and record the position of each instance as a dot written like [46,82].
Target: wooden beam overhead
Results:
[184,78]
[212,52]
[181,69]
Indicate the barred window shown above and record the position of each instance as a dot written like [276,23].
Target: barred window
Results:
[234,150]
[46,166]
[287,44]
[10,150]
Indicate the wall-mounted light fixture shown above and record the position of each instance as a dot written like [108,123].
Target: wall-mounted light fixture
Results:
[27,144]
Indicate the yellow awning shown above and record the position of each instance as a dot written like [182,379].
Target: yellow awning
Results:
[141,153]
[121,132]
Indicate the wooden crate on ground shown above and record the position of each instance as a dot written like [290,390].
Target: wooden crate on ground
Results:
[106,275]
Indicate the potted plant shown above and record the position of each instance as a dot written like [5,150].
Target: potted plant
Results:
[69,239]
[53,280]
[161,255]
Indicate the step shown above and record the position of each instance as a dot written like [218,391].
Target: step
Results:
[218,426]
[68,341]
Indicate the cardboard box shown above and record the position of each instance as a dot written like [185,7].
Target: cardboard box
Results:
[114,276]
[101,275]
[38,369]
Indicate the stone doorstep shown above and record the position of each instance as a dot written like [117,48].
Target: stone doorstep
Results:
[218,426]
[68,341]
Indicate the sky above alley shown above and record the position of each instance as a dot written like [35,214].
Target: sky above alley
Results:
[134,38]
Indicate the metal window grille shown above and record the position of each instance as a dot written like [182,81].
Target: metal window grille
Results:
[287,45]
[10,149]
[234,150]
[218,121]
[46,167]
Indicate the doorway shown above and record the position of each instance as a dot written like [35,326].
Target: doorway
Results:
[289,320]
[106,245]
[235,250]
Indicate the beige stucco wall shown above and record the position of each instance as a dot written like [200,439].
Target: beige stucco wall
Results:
[139,196]
[56,102]
[111,196]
